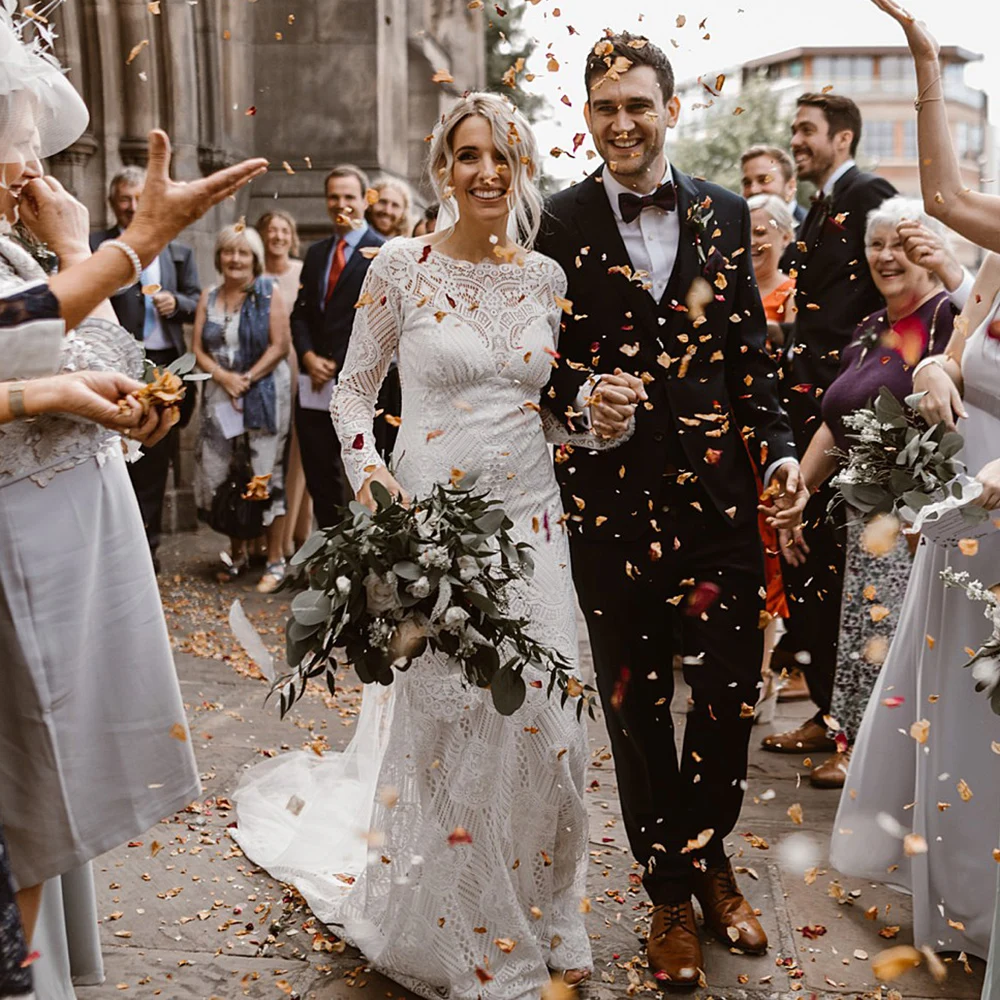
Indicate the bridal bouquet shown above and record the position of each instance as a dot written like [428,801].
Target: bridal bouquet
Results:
[900,464]
[384,587]
[985,661]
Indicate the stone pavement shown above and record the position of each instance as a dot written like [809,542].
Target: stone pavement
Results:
[185,915]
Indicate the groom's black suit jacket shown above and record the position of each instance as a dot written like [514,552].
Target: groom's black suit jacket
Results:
[708,381]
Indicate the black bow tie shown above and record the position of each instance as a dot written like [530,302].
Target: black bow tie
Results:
[664,197]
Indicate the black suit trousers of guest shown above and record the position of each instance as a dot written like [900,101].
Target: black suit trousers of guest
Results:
[320,451]
[814,592]
[149,475]
[635,632]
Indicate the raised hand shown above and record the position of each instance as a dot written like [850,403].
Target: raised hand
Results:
[167,206]
[926,249]
[923,44]
[53,216]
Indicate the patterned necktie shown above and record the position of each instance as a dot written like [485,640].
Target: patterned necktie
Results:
[336,269]
[664,197]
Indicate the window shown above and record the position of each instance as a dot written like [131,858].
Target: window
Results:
[879,139]
[910,139]
[822,69]
[795,68]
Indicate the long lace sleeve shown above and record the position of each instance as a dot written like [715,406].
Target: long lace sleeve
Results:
[556,429]
[374,339]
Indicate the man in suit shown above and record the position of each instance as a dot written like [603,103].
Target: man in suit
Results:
[834,292]
[155,316]
[770,170]
[667,558]
[322,321]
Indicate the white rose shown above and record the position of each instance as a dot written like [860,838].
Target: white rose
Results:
[455,618]
[468,567]
[381,592]
[420,588]
[343,585]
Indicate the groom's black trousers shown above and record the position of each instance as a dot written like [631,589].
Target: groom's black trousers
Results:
[636,628]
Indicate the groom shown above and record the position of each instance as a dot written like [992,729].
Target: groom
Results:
[666,552]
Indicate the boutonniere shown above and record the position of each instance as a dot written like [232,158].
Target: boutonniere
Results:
[699,217]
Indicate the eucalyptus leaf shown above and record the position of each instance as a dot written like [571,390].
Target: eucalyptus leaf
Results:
[313,544]
[311,607]
[380,494]
[491,521]
[508,690]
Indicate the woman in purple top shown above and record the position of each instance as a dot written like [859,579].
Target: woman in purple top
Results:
[887,346]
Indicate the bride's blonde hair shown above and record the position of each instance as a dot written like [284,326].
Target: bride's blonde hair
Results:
[512,136]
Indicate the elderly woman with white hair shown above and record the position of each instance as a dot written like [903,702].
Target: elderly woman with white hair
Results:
[887,346]
[773,229]
[241,339]
[474,315]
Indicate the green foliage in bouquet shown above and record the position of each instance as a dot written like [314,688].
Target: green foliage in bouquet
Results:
[182,367]
[897,460]
[386,586]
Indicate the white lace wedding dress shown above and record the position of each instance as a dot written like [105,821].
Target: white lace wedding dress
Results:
[364,834]
[923,787]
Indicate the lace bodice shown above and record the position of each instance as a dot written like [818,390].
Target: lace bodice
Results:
[49,444]
[476,344]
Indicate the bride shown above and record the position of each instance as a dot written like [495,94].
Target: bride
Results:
[447,841]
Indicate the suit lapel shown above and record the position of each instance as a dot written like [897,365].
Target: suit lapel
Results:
[687,264]
[168,273]
[323,252]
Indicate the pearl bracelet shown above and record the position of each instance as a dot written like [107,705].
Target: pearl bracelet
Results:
[133,259]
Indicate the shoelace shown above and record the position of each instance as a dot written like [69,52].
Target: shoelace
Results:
[676,914]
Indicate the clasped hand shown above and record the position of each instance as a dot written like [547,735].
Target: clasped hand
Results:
[783,502]
[613,403]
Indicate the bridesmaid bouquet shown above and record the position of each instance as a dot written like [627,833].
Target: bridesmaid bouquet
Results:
[384,587]
[985,661]
[901,465]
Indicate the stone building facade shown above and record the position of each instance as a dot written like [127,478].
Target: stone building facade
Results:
[306,83]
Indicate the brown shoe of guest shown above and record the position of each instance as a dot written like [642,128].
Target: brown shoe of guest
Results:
[793,688]
[727,914]
[810,737]
[673,948]
[832,773]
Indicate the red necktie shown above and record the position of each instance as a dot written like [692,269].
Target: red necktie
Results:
[336,269]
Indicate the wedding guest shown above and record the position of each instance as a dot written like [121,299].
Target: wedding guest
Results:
[241,339]
[427,222]
[834,292]
[770,170]
[154,310]
[80,770]
[321,330]
[281,261]
[773,231]
[887,346]
[389,215]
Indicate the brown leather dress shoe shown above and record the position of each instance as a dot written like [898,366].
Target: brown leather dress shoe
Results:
[727,914]
[810,737]
[794,688]
[673,948]
[832,773]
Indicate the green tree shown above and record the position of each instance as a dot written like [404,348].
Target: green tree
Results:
[508,46]
[732,124]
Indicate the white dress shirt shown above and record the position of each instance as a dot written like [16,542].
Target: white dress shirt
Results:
[831,181]
[652,239]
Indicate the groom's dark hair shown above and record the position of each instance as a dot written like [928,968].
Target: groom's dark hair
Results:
[638,50]
[841,113]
